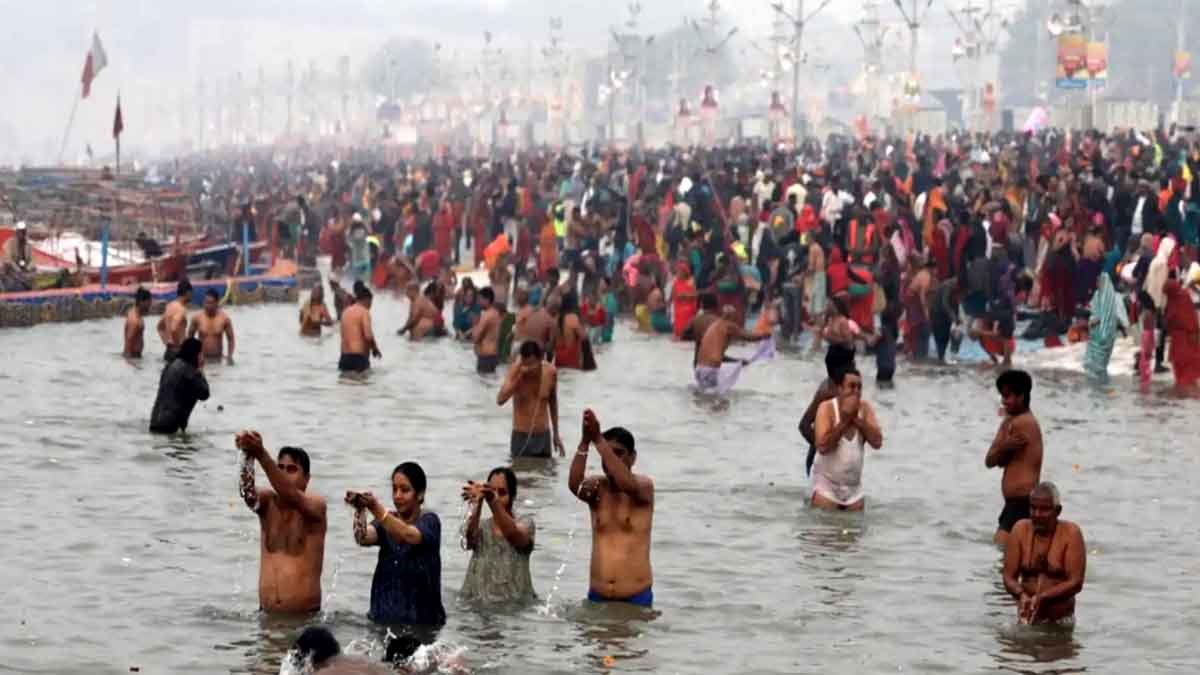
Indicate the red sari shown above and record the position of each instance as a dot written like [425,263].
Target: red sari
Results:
[1183,329]
[684,309]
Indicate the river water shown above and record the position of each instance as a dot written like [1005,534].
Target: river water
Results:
[123,550]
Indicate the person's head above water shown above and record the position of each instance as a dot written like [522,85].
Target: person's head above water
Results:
[142,299]
[317,646]
[531,353]
[1045,506]
[189,351]
[848,380]
[487,296]
[1015,387]
[212,302]
[295,463]
[362,294]
[183,291]
[504,485]
[408,488]
[622,444]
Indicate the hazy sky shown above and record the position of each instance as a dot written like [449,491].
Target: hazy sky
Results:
[157,49]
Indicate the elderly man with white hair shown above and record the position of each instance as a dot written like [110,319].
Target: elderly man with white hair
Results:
[1045,561]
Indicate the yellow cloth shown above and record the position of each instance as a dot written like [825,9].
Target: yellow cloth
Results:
[642,314]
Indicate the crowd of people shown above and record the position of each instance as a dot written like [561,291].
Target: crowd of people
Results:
[856,246]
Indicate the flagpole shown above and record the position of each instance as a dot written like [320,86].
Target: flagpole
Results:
[67,133]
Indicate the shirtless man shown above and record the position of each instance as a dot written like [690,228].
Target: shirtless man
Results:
[213,326]
[711,351]
[1018,448]
[314,314]
[293,527]
[424,319]
[622,508]
[524,310]
[501,279]
[357,337]
[542,326]
[172,326]
[135,324]
[845,425]
[486,334]
[700,323]
[532,383]
[1045,563]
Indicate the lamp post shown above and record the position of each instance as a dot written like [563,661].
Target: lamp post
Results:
[798,20]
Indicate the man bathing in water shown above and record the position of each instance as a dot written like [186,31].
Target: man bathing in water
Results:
[845,425]
[173,325]
[622,508]
[532,384]
[524,310]
[424,318]
[135,324]
[700,323]
[213,327]
[712,348]
[293,527]
[486,334]
[1045,561]
[1018,448]
[358,340]
[314,314]
[542,325]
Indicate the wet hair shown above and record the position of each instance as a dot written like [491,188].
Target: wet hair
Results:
[531,348]
[839,377]
[183,289]
[1016,381]
[510,480]
[1047,489]
[837,359]
[317,644]
[141,295]
[708,301]
[298,455]
[189,351]
[212,293]
[488,294]
[414,473]
[401,649]
[622,436]
[361,292]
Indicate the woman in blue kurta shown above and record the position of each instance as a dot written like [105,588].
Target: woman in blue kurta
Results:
[407,586]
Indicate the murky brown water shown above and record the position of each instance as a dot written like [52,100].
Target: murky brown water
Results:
[121,549]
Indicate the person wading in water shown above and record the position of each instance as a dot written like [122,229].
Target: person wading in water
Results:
[293,527]
[1045,561]
[532,384]
[1018,448]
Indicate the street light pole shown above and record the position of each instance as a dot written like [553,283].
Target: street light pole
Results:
[1180,33]
[798,21]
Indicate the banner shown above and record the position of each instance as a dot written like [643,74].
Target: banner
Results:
[1097,62]
[1183,65]
[1072,62]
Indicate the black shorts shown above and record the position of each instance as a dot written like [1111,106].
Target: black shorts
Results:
[354,363]
[1015,509]
[525,444]
[487,364]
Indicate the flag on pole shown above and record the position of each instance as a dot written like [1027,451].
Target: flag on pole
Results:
[93,64]
[118,123]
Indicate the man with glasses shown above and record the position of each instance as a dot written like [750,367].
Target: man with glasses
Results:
[622,507]
[293,527]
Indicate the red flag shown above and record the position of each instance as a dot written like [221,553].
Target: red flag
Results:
[118,123]
[92,65]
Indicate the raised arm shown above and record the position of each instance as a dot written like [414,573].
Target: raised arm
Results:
[509,386]
[364,534]
[576,474]
[310,506]
[517,534]
[638,487]
[827,431]
[396,528]
[868,426]
[472,494]
[254,499]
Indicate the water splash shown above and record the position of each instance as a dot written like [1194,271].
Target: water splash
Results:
[293,664]
[562,568]
[327,602]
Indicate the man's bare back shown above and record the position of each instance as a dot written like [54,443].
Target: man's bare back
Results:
[173,325]
[356,330]
[541,327]
[714,343]
[135,330]
[487,333]
[521,324]
[424,317]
